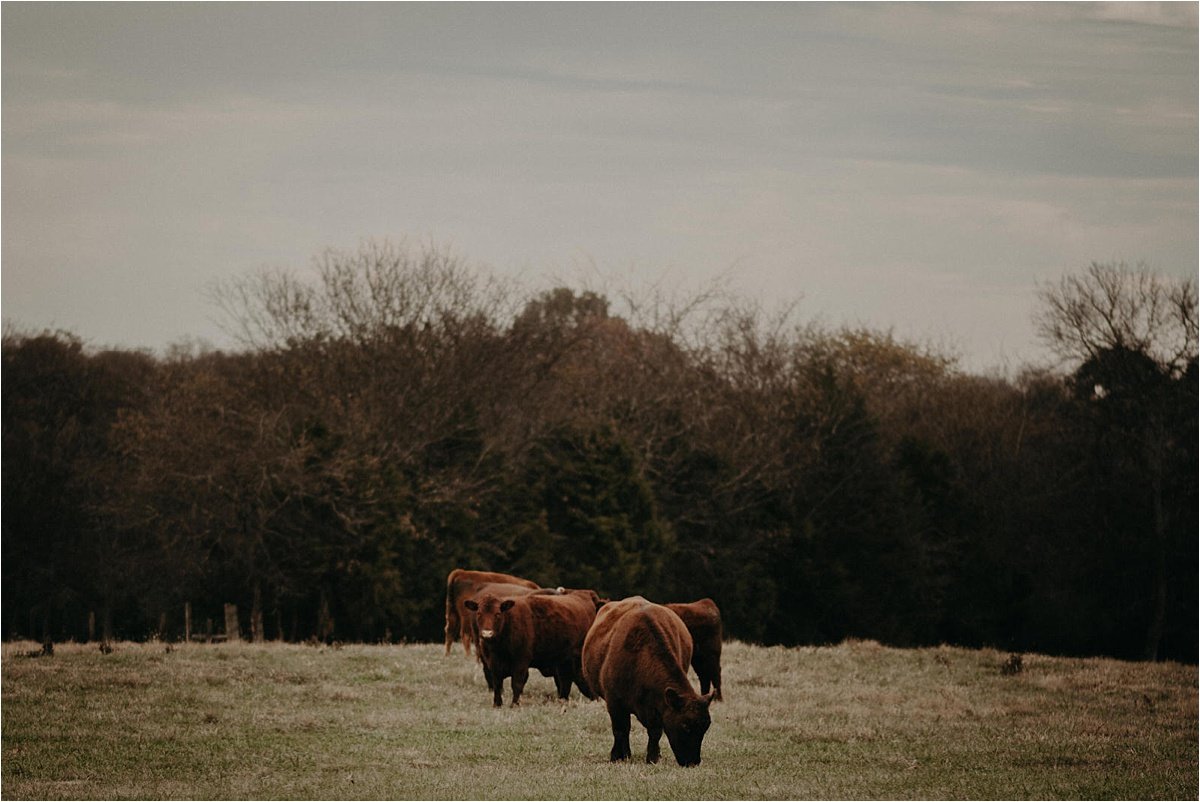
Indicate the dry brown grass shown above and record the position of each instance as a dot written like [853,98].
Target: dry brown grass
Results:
[856,720]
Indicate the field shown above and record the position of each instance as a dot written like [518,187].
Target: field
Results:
[856,720]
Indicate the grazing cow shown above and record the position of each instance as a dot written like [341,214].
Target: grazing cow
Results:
[542,631]
[462,585]
[635,657]
[703,621]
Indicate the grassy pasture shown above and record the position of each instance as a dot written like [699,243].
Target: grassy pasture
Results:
[851,721]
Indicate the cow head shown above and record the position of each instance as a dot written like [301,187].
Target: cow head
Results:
[490,615]
[685,721]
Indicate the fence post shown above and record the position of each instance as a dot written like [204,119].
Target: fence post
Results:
[187,622]
[256,618]
[324,620]
[232,629]
[91,625]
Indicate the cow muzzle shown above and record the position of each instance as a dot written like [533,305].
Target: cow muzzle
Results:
[486,634]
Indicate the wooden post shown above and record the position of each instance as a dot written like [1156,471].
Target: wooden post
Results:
[256,618]
[233,630]
[324,620]
[208,630]
[187,622]
[91,625]
[162,625]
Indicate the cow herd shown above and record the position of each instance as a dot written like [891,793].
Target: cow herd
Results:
[632,653]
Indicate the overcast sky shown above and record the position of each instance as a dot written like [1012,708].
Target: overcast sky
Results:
[916,167]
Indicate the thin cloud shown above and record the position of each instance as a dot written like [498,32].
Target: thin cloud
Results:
[815,146]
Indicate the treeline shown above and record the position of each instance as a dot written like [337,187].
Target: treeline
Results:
[400,415]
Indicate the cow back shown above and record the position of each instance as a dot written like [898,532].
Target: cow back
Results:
[703,621]
[702,618]
[461,580]
[560,622]
[635,645]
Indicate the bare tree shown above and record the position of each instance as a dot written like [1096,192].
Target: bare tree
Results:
[1113,306]
[1132,336]
[359,296]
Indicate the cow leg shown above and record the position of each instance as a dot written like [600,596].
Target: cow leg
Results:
[451,625]
[709,672]
[467,631]
[582,685]
[712,674]
[485,662]
[652,749]
[577,678]
[498,690]
[620,731]
[562,681]
[702,674]
[519,678]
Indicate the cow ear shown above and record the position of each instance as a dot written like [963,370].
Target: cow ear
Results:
[506,605]
[471,604]
[674,699]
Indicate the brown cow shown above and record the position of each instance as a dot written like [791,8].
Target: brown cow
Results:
[502,590]
[635,657]
[542,631]
[462,585]
[703,621]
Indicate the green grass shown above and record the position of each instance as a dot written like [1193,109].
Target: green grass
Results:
[852,721]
